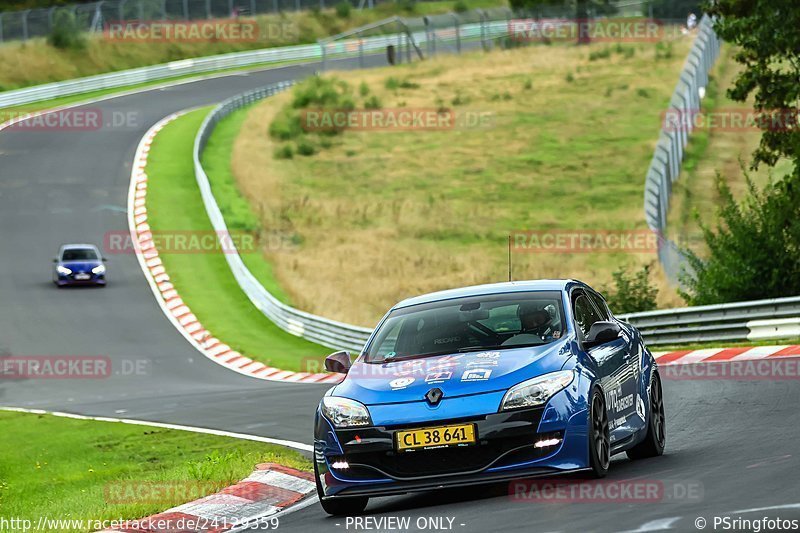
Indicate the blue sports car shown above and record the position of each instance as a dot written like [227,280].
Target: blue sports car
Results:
[483,384]
[79,264]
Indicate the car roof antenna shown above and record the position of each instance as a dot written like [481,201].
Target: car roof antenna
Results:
[509,258]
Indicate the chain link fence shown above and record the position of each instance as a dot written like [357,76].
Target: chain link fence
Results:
[30,23]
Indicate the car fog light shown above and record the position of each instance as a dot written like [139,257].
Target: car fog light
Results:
[546,443]
[340,464]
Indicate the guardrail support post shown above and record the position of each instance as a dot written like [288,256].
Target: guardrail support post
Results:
[360,51]
[25,24]
[208,9]
[185,9]
[458,33]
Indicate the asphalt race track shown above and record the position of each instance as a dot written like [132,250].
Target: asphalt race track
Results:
[732,446]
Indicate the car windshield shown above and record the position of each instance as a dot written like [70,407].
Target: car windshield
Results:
[79,254]
[496,321]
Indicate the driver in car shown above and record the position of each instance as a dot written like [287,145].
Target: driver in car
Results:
[536,325]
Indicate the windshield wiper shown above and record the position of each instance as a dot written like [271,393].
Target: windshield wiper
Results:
[394,358]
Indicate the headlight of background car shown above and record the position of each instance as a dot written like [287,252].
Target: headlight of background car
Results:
[344,412]
[63,270]
[99,269]
[536,391]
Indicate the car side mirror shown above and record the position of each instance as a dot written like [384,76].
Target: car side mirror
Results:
[338,362]
[103,259]
[55,260]
[602,332]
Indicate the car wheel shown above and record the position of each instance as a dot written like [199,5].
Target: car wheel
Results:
[656,437]
[599,438]
[339,506]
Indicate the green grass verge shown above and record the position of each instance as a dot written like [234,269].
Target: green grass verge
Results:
[235,208]
[74,469]
[204,280]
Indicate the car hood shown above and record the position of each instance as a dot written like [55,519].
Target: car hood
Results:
[81,266]
[458,374]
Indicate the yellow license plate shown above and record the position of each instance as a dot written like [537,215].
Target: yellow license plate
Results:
[439,437]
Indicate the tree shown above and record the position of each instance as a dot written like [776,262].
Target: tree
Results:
[754,252]
[632,292]
[766,32]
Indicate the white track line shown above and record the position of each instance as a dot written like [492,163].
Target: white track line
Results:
[192,429]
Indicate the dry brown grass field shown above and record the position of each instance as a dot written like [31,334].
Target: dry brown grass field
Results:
[379,216]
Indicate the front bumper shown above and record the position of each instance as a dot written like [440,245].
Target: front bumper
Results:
[505,449]
[69,279]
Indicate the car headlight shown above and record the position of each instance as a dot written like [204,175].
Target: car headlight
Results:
[344,412]
[63,270]
[535,392]
[99,269]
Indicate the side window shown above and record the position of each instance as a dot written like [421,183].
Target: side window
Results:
[585,314]
[601,306]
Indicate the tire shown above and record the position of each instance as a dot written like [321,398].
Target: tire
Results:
[340,506]
[599,438]
[656,437]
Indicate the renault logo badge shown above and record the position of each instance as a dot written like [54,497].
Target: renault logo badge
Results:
[434,396]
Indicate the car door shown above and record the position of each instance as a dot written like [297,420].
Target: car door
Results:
[613,364]
[633,359]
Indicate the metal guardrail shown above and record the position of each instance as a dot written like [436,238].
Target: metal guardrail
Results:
[314,328]
[665,166]
[737,321]
[306,52]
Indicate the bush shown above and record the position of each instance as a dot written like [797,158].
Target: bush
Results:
[460,6]
[305,148]
[753,253]
[373,102]
[343,9]
[283,152]
[66,33]
[363,89]
[315,93]
[393,84]
[605,53]
[409,6]
[632,292]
